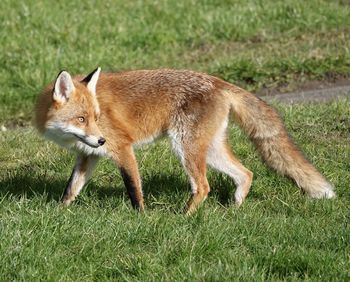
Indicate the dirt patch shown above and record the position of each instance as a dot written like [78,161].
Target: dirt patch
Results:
[313,92]
[331,80]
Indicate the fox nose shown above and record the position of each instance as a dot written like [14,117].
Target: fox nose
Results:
[101,141]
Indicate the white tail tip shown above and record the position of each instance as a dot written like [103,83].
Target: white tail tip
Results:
[326,193]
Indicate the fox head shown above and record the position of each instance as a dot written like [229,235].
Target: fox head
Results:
[68,112]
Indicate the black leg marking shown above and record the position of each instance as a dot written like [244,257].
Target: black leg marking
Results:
[131,187]
[68,187]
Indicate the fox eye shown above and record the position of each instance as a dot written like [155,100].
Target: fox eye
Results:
[81,119]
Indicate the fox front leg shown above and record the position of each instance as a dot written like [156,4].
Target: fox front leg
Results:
[126,161]
[82,171]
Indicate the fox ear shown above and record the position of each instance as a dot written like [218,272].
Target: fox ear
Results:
[63,87]
[91,80]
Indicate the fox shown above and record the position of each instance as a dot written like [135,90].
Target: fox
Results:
[108,114]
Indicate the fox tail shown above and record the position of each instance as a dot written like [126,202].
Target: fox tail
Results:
[266,130]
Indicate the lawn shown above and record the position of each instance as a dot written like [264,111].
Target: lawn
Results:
[278,233]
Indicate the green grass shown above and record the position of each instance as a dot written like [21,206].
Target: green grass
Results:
[278,234]
[254,43]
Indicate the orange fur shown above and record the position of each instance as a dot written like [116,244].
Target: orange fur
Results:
[192,108]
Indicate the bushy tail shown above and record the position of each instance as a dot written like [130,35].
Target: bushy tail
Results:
[265,128]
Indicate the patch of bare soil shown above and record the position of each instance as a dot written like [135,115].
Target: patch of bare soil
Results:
[311,91]
[330,81]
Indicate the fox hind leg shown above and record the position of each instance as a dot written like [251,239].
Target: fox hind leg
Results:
[221,158]
[82,172]
[193,159]
[195,166]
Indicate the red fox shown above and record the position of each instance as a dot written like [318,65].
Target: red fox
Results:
[107,114]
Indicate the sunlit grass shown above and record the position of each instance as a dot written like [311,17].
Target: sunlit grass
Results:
[278,233]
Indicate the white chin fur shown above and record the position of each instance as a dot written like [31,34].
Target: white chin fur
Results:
[74,138]
[63,139]
[88,150]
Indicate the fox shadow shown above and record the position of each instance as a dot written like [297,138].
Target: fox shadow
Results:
[31,186]
[157,186]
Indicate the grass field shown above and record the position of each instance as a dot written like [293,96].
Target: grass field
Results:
[256,44]
[278,234]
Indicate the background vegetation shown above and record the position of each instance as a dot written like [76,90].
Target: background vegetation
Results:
[255,44]
[278,234]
